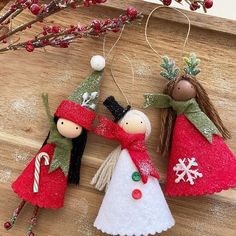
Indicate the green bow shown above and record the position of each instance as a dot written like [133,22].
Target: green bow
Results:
[63,146]
[189,108]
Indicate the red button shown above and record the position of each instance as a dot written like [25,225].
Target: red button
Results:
[137,194]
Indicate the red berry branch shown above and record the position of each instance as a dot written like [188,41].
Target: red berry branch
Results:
[193,4]
[57,36]
[41,11]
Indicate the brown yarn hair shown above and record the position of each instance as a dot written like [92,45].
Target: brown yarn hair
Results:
[168,116]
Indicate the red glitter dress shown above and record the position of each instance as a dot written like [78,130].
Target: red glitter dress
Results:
[52,186]
[197,166]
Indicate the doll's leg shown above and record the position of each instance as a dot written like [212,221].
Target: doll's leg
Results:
[9,224]
[33,221]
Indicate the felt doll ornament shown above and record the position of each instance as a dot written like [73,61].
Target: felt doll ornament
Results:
[134,203]
[192,134]
[44,181]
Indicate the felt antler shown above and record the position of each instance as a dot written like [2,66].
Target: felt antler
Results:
[192,63]
[171,70]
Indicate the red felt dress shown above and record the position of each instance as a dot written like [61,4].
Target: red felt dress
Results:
[196,166]
[52,186]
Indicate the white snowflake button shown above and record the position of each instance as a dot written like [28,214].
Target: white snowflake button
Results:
[185,170]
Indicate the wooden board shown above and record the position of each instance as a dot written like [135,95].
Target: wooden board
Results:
[23,126]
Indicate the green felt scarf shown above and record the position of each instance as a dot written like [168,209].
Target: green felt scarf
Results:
[62,152]
[189,108]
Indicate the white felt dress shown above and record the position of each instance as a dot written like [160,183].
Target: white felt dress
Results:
[121,214]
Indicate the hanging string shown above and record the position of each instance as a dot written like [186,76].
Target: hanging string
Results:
[104,43]
[147,22]
[117,84]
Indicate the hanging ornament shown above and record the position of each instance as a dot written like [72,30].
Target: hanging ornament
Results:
[192,134]
[134,203]
[44,181]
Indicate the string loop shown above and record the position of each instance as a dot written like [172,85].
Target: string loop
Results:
[111,49]
[117,84]
[146,26]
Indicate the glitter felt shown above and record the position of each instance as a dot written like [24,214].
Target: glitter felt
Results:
[215,161]
[90,84]
[76,113]
[52,185]
[189,108]
[134,143]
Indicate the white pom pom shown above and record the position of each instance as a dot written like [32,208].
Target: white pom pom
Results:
[98,62]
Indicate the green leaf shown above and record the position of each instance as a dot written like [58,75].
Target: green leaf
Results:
[170,70]
[192,63]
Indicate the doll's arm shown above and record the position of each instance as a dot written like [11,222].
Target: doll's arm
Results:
[157,100]
[107,128]
[46,105]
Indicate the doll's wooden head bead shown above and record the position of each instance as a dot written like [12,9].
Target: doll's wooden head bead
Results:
[132,121]
[183,90]
[68,129]
[135,122]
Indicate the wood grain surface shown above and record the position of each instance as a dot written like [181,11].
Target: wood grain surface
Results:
[23,127]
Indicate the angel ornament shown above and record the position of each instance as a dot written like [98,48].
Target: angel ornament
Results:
[192,134]
[134,203]
[43,182]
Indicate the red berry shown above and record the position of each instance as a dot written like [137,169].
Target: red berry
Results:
[45,42]
[107,21]
[13,8]
[115,20]
[35,9]
[28,3]
[208,4]
[167,2]
[64,44]
[20,1]
[7,225]
[124,19]
[86,3]
[56,29]
[194,6]
[31,234]
[131,12]
[29,47]
[101,1]
[116,30]
[96,25]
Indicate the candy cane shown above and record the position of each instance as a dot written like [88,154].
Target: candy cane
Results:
[37,169]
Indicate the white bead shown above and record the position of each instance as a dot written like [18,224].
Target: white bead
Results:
[98,62]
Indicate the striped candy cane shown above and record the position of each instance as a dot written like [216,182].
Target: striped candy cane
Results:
[37,169]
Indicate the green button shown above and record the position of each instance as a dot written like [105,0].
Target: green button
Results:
[136,176]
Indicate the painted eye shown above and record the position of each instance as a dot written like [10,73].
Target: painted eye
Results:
[127,123]
[77,127]
[141,122]
[178,88]
[62,122]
